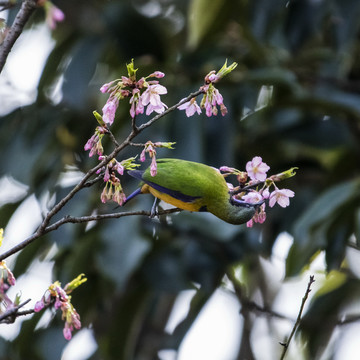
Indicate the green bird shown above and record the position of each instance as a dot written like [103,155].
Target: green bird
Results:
[194,187]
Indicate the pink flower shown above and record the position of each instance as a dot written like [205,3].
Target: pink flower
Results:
[257,169]
[190,107]
[158,109]
[109,110]
[252,197]
[281,197]
[151,97]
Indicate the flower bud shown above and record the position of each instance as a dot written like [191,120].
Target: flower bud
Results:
[284,175]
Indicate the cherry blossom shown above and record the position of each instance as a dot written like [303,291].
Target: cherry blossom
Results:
[281,196]
[257,169]
[191,107]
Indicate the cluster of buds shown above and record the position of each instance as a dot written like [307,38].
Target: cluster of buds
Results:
[142,93]
[149,148]
[257,170]
[113,189]
[94,144]
[212,97]
[59,297]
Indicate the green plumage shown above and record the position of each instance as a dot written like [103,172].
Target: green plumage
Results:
[195,187]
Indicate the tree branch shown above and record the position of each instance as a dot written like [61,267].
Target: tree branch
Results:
[78,220]
[44,226]
[22,17]
[307,292]
[169,110]
[11,314]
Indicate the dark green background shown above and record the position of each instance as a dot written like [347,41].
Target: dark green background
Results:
[307,50]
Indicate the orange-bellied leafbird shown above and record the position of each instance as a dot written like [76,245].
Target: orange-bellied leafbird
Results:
[195,187]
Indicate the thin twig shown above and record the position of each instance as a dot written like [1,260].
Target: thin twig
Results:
[240,189]
[112,138]
[170,109]
[349,319]
[133,124]
[78,220]
[9,315]
[249,304]
[94,181]
[22,17]
[136,144]
[307,292]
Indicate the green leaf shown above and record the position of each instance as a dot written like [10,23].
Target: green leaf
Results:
[202,14]
[312,230]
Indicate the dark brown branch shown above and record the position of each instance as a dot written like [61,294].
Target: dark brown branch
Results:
[78,220]
[94,181]
[307,292]
[170,109]
[22,17]
[11,314]
[112,138]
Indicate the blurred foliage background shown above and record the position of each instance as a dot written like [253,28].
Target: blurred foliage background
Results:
[294,99]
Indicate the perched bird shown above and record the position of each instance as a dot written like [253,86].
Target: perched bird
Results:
[194,187]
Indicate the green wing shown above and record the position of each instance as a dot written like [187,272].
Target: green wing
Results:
[188,178]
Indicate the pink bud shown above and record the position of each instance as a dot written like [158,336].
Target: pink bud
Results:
[250,223]
[67,332]
[142,156]
[158,74]
[153,167]
[39,305]
[213,77]
[107,174]
[105,88]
